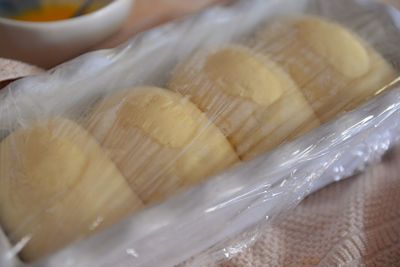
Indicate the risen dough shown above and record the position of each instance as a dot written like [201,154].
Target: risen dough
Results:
[57,186]
[335,69]
[253,101]
[159,140]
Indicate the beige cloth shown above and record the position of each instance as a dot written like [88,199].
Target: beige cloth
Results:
[11,70]
[355,222]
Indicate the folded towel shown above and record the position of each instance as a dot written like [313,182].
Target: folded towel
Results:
[11,70]
[355,222]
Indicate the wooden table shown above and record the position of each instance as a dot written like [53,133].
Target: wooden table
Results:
[149,13]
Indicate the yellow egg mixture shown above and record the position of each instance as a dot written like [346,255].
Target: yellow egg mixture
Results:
[51,12]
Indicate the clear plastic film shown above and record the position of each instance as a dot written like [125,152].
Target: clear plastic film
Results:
[194,132]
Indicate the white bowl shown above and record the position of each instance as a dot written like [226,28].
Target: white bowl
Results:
[47,44]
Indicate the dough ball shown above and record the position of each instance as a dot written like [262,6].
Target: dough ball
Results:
[254,102]
[57,186]
[336,70]
[159,140]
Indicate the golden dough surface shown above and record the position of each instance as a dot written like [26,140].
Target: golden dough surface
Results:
[57,186]
[241,75]
[338,46]
[160,115]
[159,140]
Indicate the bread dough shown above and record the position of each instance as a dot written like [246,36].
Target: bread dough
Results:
[57,186]
[255,103]
[335,69]
[159,140]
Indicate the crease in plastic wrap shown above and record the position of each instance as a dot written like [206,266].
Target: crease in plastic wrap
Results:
[91,149]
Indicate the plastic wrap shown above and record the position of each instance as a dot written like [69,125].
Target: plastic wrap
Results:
[116,143]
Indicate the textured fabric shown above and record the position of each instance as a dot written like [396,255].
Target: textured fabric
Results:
[11,70]
[355,222]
